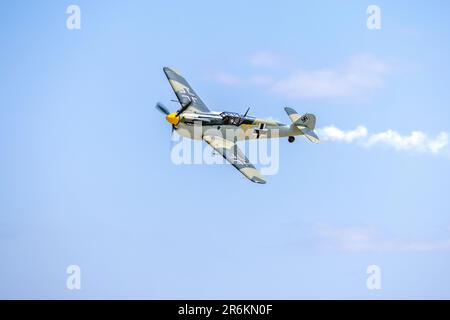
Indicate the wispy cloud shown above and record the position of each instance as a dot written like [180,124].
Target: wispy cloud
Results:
[364,239]
[228,79]
[265,60]
[416,141]
[333,133]
[360,74]
[355,78]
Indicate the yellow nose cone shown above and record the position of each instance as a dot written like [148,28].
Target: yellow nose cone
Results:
[173,118]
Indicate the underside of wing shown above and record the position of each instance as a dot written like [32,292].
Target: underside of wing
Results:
[184,92]
[231,152]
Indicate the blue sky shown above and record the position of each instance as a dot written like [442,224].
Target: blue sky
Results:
[86,175]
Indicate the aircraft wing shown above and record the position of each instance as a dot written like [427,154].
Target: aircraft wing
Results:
[184,91]
[231,152]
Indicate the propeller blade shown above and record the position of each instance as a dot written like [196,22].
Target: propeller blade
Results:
[162,108]
[184,107]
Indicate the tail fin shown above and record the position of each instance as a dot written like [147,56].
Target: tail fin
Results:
[305,123]
[307,120]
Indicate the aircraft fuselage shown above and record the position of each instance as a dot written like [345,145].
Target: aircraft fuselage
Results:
[195,125]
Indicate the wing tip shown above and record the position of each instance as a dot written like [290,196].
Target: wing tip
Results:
[171,70]
[258,180]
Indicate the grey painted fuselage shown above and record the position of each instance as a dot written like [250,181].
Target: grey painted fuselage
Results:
[196,125]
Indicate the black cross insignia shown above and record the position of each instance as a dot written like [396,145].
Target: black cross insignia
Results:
[185,93]
[260,130]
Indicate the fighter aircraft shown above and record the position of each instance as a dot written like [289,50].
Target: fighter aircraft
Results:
[194,120]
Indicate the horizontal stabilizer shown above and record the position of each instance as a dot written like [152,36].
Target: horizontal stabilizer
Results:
[311,135]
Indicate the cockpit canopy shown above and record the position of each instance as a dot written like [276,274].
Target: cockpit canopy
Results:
[232,118]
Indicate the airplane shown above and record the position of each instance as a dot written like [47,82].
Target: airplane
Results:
[194,120]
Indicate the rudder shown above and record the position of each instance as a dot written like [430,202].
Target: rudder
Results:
[305,123]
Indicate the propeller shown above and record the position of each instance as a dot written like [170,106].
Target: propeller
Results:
[162,108]
[184,107]
[173,118]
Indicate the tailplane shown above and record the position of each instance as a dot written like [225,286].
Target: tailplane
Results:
[305,123]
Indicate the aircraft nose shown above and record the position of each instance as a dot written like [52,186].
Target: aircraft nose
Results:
[173,118]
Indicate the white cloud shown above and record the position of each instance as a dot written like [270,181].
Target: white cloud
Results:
[416,141]
[228,79]
[363,239]
[260,80]
[265,60]
[333,133]
[361,74]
